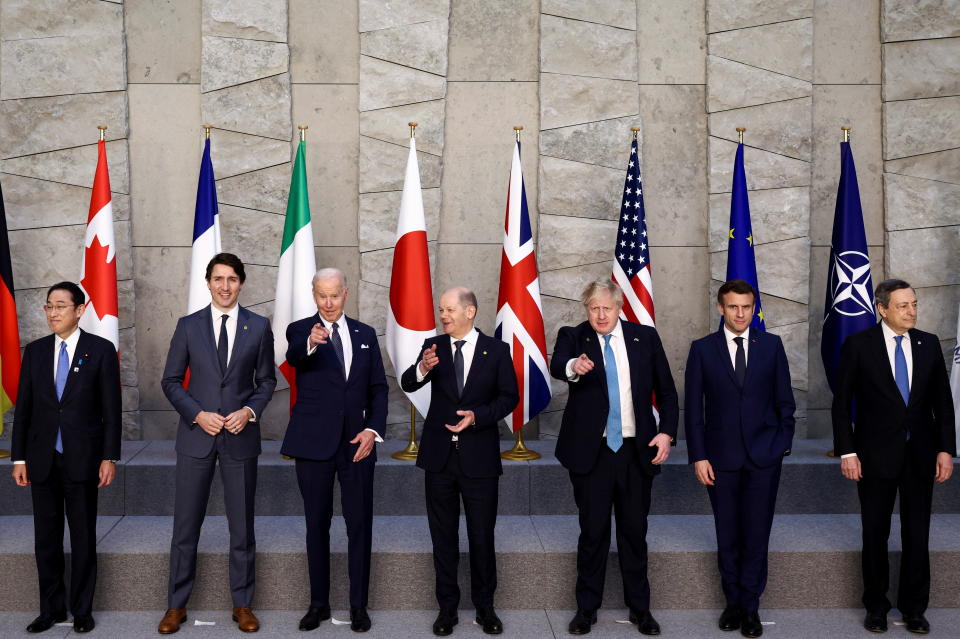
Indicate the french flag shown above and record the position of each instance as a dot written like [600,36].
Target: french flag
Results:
[206,234]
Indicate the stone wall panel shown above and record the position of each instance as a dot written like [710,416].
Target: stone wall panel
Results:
[938,311]
[918,203]
[604,143]
[151,25]
[251,19]
[253,235]
[912,127]
[781,127]
[672,42]
[584,48]
[377,14]
[421,46]
[232,61]
[919,19]
[850,36]
[764,170]
[794,339]
[494,40]
[382,166]
[263,190]
[943,166]
[921,69]
[775,215]
[782,267]
[379,212]
[782,47]
[258,108]
[32,203]
[236,153]
[74,166]
[384,84]
[476,266]
[924,257]
[616,13]
[578,189]
[324,45]
[566,100]
[574,241]
[390,125]
[568,283]
[733,85]
[724,15]
[62,247]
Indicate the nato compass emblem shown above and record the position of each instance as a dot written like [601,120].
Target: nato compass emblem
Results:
[850,284]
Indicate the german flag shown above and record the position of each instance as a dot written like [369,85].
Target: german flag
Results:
[9,335]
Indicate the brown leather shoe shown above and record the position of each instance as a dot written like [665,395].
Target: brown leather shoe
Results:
[171,621]
[246,620]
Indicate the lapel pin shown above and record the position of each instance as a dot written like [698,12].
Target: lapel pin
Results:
[484,352]
[636,339]
[76,369]
[244,327]
[588,339]
[919,342]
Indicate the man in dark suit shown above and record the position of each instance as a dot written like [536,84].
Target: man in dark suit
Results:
[229,353]
[66,441]
[339,415]
[893,429]
[738,415]
[611,444]
[473,387]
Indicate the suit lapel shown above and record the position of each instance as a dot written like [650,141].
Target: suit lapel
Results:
[206,320]
[355,344]
[918,354]
[723,353]
[882,361]
[756,350]
[480,354]
[239,338]
[80,354]
[446,375]
[593,348]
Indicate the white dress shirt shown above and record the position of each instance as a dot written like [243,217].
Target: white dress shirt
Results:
[890,342]
[233,316]
[343,330]
[467,349]
[628,420]
[732,345]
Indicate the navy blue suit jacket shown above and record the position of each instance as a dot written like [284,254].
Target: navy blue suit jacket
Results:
[249,380]
[585,416]
[727,424]
[329,407]
[490,391]
[88,413]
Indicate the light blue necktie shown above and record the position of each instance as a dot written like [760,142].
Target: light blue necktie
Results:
[63,368]
[901,375]
[614,427]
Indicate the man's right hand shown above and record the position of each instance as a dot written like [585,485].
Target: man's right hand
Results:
[318,335]
[20,475]
[704,472]
[211,423]
[582,365]
[850,467]
[428,360]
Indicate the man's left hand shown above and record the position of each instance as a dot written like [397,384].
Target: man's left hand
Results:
[366,439]
[108,470]
[236,421]
[944,467]
[468,420]
[662,442]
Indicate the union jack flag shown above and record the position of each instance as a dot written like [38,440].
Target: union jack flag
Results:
[519,312]
[631,262]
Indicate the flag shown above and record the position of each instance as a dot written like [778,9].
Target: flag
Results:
[519,312]
[206,234]
[741,263]
[9,334]
[298,264]
[98,273]
[848,306]
[631,261]
[410,314]
[955,381]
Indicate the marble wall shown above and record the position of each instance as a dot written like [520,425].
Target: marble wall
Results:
[576,74]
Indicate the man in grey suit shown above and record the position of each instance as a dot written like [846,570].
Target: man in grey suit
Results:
[229,353]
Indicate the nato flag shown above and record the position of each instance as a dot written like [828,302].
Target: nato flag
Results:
[741,264]
[849,302]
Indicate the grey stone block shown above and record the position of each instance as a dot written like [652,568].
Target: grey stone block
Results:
[775,215]
[74,166]
[781,312]
[580,190]
[572,241]
[913,127]
[764,170]
[851,36]
[379,212]
[253,19]
[781,127]
[919,203]
[724,15]
[235,153]
[390,125]
[378,15]
[924,257]
[263,190]
[782,47]
[943,166]
[150,28]
[383,165]
[566,99]
[230,61]
[421,45]
[733,85]
[906,20]
[567,283]
[374,301]
[616,13]
[605,143]
[256,235]
[587,49]
[494,40]
[672,42]
[794,338]
[782,268]
[938,312]
[921,69]
[261,107]
[324,45]
[457,265]
[34,203]
[385,84]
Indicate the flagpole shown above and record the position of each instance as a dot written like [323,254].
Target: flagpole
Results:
[740,131]
[519,452]
[410,451]
[103,132]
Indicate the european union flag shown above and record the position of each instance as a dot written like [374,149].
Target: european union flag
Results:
[848,307]
[741,264]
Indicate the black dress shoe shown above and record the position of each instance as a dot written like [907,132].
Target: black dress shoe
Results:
[83,624]
[44,623]
[444,624]
[750,625]
[313,617]
[917,624]
[581,622]
[359,619]
[645,622]
[731,618]
[489,621]
[875,621]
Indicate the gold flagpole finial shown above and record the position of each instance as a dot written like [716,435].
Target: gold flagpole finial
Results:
[103,132]
[206,131]
[303,132]
[413,128]
[517,130]
[636,130]
[846,133]
[740,131]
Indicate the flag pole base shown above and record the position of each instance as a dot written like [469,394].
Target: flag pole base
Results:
[519,452]
[410,452]
[831,453]
[4,453]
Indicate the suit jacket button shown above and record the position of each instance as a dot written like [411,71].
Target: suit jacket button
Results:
[223,384]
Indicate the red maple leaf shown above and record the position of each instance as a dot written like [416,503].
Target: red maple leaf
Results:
[100,279]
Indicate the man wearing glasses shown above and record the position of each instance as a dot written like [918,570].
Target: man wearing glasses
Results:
[66,440]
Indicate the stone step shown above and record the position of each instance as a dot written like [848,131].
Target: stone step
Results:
[811,484]
[843,623]
[814,563]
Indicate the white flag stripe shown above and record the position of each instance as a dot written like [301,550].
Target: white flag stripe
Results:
[204,248]
[630,295]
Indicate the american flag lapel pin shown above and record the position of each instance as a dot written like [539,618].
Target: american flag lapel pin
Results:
[244,327]
[484,352]
[636,339]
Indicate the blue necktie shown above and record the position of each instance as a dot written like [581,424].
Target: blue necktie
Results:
[614,427]
[63,368]
[900,368]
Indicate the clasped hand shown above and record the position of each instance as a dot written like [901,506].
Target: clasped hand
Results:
[234,423]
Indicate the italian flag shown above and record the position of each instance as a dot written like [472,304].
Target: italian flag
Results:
[298,263]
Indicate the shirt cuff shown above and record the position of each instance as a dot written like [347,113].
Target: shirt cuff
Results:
[253,412]
[848,455]
[311,349]
[571,376]
[19,462]
[420,377]
[377,436]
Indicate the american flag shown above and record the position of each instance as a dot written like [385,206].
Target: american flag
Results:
[519,311]
[631,256]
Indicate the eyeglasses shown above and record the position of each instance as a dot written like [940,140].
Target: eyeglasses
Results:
[56,309]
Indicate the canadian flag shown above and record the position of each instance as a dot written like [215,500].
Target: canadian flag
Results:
[98,274]
[410,316]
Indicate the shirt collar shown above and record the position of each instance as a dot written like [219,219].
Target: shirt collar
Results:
[888,333]
[730,335]
[616,332]
[71,341]
[233,313]
[341,322]
[470,338]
